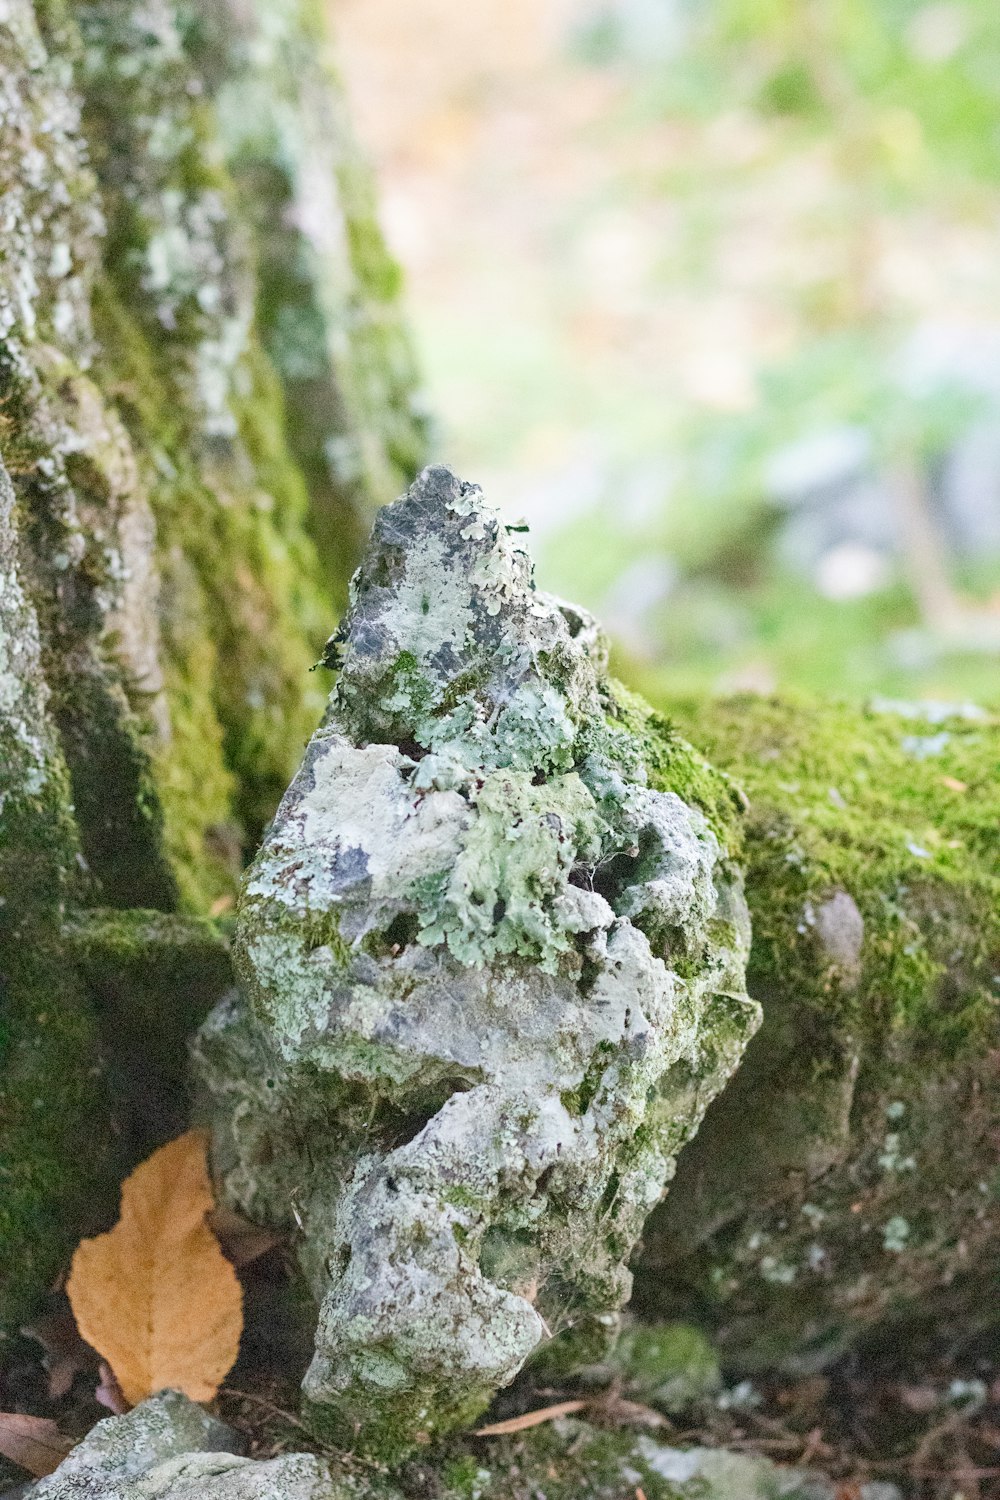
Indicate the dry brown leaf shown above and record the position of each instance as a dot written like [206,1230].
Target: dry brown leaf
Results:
[109,1392]
[241,1240]
[531,1419]
[66,1355]
[156,1296]
[33,1442]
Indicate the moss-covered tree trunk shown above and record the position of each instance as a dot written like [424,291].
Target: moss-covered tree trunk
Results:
[205,392]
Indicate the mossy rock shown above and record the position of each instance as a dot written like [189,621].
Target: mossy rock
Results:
[493,955]
[847,1177]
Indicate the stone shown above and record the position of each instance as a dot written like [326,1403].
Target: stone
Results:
[840,929]
[167,1448]
[716,1474]
[493,950]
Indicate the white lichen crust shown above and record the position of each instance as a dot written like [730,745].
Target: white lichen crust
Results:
[494,977]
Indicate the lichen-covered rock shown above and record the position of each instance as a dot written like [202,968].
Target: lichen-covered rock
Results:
[495,973]
[168,1449]
[848,1175]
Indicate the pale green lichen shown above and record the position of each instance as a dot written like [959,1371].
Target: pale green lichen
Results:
[508,889]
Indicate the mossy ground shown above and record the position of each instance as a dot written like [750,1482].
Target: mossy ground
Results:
[847,1175]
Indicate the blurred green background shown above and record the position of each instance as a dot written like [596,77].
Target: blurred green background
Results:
[708,291]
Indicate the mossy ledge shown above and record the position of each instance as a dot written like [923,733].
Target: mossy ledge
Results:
[847,1178]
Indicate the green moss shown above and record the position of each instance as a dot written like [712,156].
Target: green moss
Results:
[57,1150]
[321,929]
[391,1412]
[569,1460]
[243,612]
[867,1096]
[150,979]
[59,1158]
[638,732]
[668,1366]
[839,801]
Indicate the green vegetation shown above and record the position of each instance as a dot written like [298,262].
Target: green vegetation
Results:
[846,1176]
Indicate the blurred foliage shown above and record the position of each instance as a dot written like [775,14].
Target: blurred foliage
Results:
[909,91]
[870,125]
[691,247]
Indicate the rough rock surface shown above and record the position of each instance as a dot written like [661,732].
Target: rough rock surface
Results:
[847,1177]
[168,1449]
[495,967]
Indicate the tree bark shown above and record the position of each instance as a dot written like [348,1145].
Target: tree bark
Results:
[205,391]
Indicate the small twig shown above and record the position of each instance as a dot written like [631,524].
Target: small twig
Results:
[965,1470]
[931,1438]
[276,1411]
[815,1447]
[531,1419]
[628,1413]
[764,1444]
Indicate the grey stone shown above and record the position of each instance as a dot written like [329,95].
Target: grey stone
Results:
[167,1448]
[495,973]
[840,929]
[716,1474]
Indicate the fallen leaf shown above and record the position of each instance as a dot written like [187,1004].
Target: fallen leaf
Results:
[530,1419]
[33,1442]
[109,1392]
[66,1354]
[156,1296]
[241,1241]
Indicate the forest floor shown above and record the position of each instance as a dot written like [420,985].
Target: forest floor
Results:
[930,1426]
